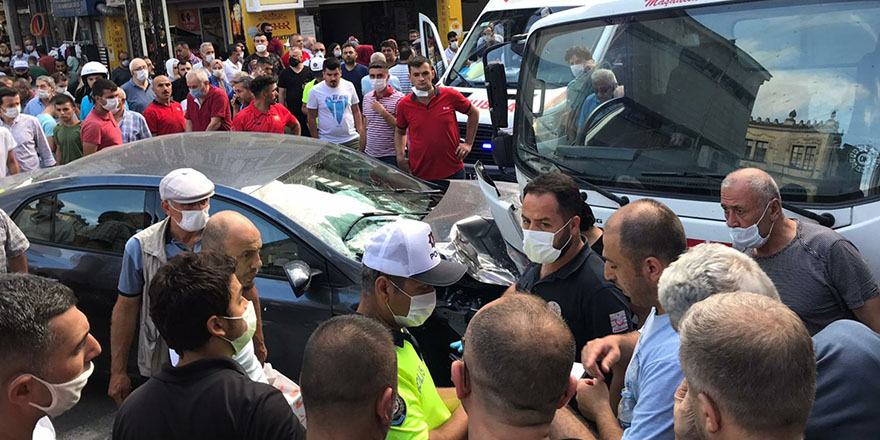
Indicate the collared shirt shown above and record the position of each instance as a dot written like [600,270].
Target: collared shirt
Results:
[131,277]
[380,135]
[133,127]
[272,121]
[102,131]
[433,132]
[213,105]
[13,240]
[7,144]
[30,142]
[231,68]
[592,306]
[138,99]
[34,107]
[165,119]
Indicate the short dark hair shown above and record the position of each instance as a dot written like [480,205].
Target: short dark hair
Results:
[7,79]
[7,91]
[413,30]
[388,43]
[351,45]
[522,330]
[580,51]
[186,291]
[563,187]
[378,66]
[451,34]
[231,49]
[61,99]
[419,61]
[182,44]
[32,59]
[263,26]
[330,63]
[262,82]
[348,363]
[405,53]
[650,229]
[266,61]
[260,34]
[27,304]
[58,77]
[102,85]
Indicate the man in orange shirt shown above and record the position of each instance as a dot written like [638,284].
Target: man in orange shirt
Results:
[264,114]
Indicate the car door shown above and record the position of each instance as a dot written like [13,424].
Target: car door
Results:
[432,41]
[78,237]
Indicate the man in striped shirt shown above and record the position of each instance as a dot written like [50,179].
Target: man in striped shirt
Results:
[380,111]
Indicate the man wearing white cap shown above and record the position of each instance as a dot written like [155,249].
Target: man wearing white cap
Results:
[185,195]
[401,266]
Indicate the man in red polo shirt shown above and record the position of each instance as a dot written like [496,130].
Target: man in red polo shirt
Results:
[207,108]
[164,116]
[264,115]
[427,118]
[100,130]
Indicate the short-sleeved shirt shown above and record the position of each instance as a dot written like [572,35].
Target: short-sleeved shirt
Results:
[652,376]
[14,241]
[138,99]
[335,117]
[131,277]
[165,119]
[592,306]
[34,107]
[133,127]
[273,121]
[102,131]
[366,87]
[433,132]
[211,398]
[48,123]
[401,71]
[847,362]
[419,408]
[214,105]
[68,142]
[821,276]
[354,76]
[274,59]
[293,84]
[380,135]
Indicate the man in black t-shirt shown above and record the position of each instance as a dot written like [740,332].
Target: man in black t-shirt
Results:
[290,88]
[564,271]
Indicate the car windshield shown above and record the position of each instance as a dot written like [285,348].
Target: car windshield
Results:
[342,197]
[681,97]
[493,28]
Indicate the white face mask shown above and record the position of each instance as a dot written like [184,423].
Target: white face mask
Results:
[218,73]
[538,245]
[64,395]
[750,237]
[13,112]
[60,90]
[420,308]
[193,221]
[111,105]
[577,69]
[209,58]
[378,84]
[250,320]
[454,45]
[337,53]
[43,94]
[261,48]
[142,75]
[421,93]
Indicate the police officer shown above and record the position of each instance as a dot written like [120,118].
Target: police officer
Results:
[564,270]
[400,269]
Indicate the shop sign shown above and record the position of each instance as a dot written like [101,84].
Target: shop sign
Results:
[283,24]
[69,8]
[272,5]
[188,20]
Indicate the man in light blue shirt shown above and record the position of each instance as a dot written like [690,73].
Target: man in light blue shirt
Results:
[30,140]
[138,89]
[45,88]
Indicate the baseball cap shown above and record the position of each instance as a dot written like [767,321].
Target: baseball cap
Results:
[405,248]
[185,185]
[20,64]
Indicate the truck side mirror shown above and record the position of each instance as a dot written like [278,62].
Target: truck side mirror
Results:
[496,92]
[502,150]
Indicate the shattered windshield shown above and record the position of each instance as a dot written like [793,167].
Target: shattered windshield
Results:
[343,198]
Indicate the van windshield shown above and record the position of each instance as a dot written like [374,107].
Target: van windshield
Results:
[676,99]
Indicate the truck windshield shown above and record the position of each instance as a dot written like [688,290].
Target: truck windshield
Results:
[679,98]
[494,27]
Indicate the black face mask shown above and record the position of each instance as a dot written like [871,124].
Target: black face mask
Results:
[294,62]
[268,35]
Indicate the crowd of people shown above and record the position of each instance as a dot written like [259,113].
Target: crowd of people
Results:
[383,104]
[773,338]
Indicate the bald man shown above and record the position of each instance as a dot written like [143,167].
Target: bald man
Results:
[820,274]
[231,233]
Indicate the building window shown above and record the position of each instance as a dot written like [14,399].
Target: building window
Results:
[803,157]
[757,150]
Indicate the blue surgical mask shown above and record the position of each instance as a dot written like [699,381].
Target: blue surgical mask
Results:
[196,93]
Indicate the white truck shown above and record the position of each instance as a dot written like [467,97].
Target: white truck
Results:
[705,87]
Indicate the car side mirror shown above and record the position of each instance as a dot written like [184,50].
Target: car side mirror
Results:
[299,274]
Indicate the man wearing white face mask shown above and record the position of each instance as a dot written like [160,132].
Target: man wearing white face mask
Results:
[185,195]
[564,270]
[819,273]
[138,90]
[380,110]
[452,39]
[198,307]
[261,43]
[47,353]
[30,140]
[206,50]
[401,266]
[100,129]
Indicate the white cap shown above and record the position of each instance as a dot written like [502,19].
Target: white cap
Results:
[316,63]
[185,185]
[20,64]
[406,249]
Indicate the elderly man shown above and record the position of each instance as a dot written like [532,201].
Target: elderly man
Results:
[604,84]
[30,140]
[163,115]
[207,108]
[401,268]
[522,332]
[137,90]
[206,50]
[641,240]
[132,125]
[47,352]
[847,352]
[185,195]
[819,273]
[349,380]
[766,348]
[45,91]
[232,234]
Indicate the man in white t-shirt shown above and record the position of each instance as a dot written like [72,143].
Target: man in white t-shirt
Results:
[9,166]
[334,115]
